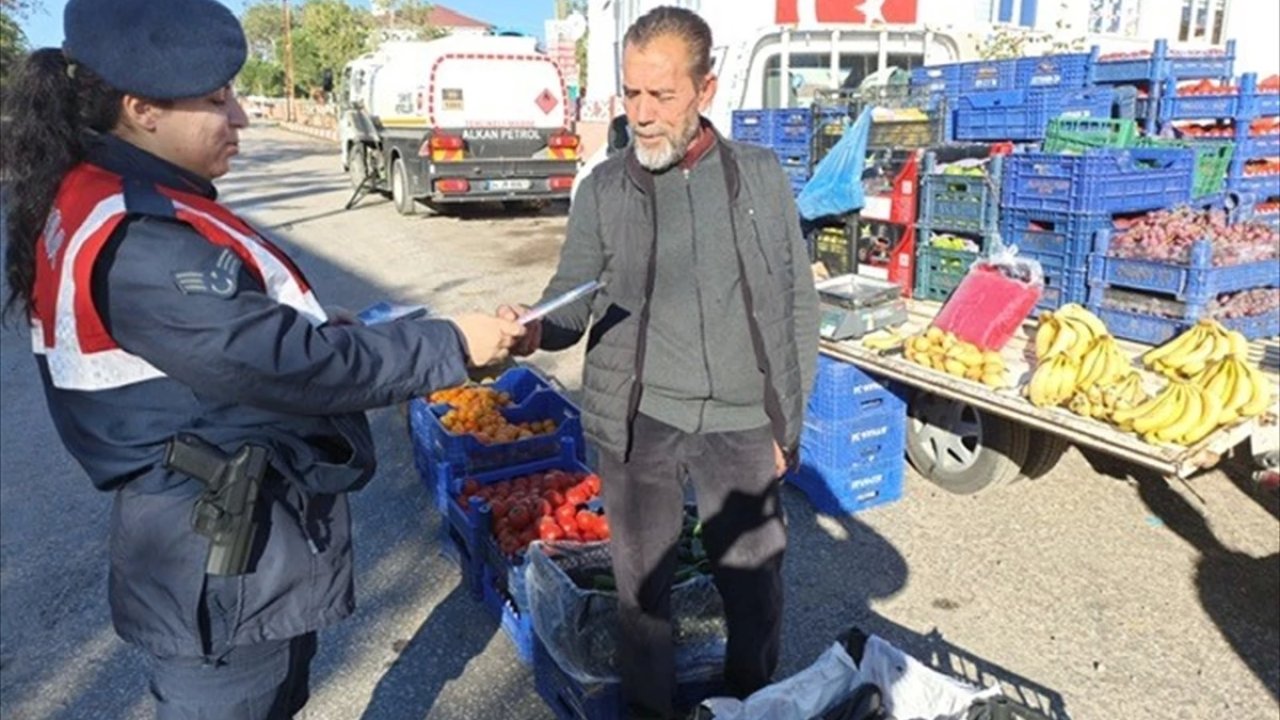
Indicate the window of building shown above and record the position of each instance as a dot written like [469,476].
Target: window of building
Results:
[1202,20]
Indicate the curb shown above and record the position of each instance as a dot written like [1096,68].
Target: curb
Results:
[315,132]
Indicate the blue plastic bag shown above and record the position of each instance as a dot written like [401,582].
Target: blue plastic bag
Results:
[836,185]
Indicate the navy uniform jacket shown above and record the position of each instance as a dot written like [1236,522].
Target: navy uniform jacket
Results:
[240,368]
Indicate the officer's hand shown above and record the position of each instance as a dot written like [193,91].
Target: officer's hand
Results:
[532,338]
[779,461]
[488,339]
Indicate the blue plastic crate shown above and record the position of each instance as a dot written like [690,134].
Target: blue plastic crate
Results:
[1098,181]
[843,490]
[514,620]
[1161,65]
[1061,286]
[466,452]
[1256,147]
[768,126]
[961,203]
[1052,233]
[860,442]
[1062,71]
[1257,186]
[843,391]
[1195,282]
[988,75]
[571,700]
[941,79]
[1156,330]
[1024,114]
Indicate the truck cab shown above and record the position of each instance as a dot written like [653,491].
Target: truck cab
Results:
[456,120]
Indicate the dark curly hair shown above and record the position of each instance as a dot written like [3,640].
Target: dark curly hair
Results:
[51,105]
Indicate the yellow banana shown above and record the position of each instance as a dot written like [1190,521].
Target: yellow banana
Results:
[1239,344]
[1084,337]
[883,340]
[1080,405]
[1168,408]
[1192,409]
[1063,340]
[1186,340]
[1067,374]
[1045,334]
[1216,381]
[1037,388]
[1209,420]
[1075,310]
[1261,399]
[1240,388]
[1193,361]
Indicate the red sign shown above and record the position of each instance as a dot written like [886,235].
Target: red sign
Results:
[787,12]
[546,102]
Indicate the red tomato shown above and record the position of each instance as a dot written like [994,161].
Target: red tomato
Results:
[470,486]
[565,513]
[498,508]
[462,501]
[545,508]
[586,520]
[555,497]
[576,496]
[570,527]
[518,516]
[548,532]
[602,527]
[593,482]
[573,535]
[590,536]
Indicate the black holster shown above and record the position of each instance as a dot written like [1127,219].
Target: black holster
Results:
[225,512]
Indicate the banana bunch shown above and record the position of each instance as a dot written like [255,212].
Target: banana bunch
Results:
[1101,402]
[1194,350]
[1239,387]
[885,339]
[1054,381]
[943,351]
[1071,329]
[1103,364]
[1183,414]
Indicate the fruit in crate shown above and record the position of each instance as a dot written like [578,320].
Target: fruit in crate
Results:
[944,352]
[1168,235]
[1254,168]
[1265,126]
[1246,303]
[476,410]
[551,505]
[1207,87]
[1190,353]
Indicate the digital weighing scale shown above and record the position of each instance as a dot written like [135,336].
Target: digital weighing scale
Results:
[851,306]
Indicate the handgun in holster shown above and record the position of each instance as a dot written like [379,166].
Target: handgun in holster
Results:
[225,512]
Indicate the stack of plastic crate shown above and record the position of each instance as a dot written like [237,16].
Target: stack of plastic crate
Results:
[1148,74]
[1053,205]
[958,221]
[786,131]
[851,448]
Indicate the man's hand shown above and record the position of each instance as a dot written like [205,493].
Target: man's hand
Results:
[779,461]
[341,316]
[532,337]
[488,339]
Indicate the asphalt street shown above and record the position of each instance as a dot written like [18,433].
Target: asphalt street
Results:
[1097,591]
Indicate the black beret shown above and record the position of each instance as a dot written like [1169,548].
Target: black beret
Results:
[158,49]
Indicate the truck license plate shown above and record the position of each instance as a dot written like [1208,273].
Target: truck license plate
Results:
[509,184]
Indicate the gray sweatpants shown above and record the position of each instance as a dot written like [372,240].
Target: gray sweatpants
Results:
[744,533]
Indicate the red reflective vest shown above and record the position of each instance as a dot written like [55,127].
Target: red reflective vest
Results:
[66,327]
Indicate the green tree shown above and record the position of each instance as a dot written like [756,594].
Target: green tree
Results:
[414,14]
[13,47]
[328,34]
[261,77]
[263,23]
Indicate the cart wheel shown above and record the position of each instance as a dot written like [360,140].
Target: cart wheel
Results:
[962,449]
[1044,450]
[405,205]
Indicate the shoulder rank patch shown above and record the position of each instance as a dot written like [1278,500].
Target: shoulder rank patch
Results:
[219,280]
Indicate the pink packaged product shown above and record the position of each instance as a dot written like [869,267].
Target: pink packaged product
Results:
[993,299]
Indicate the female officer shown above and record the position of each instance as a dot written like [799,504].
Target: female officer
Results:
[162,324]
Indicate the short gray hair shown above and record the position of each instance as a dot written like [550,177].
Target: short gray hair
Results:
[679,22]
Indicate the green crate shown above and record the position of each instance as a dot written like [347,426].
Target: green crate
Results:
[1213,159]
[834,249]
[1076,135]
[939,271]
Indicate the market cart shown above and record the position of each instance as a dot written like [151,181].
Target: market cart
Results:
[966,436]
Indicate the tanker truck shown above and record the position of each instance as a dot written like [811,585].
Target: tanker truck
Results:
[456,120]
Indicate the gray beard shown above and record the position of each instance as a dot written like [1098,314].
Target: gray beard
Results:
[662,158]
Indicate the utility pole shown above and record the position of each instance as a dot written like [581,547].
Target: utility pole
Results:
[288,64]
